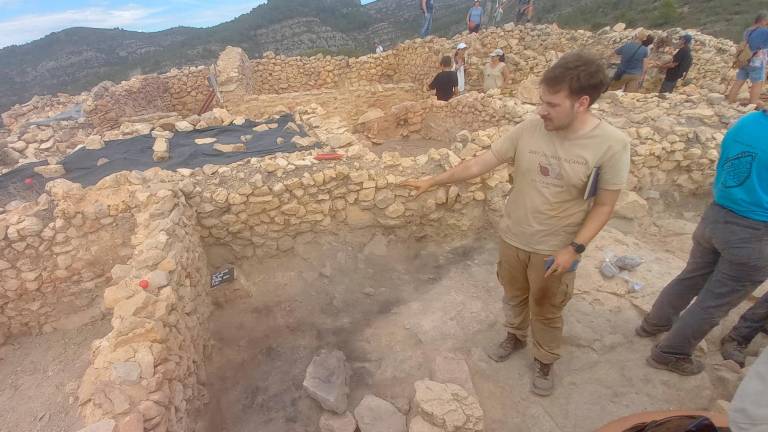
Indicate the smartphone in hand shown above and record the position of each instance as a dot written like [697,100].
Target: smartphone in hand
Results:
[551,260]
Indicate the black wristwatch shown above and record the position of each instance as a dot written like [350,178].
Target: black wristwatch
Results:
[578,247]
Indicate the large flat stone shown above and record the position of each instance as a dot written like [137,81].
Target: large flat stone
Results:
[374,414]
[327,380]
[126,373]
[330,422]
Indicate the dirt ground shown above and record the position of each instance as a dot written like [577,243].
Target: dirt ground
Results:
[409,146]
[39,377]
[392,303]
[341,103]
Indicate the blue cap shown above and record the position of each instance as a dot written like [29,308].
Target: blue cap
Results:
[686,38]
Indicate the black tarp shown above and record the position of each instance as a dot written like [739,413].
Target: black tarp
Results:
[136,154]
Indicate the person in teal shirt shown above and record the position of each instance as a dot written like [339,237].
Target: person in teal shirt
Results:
[475,17]
[741,184]
[729,258]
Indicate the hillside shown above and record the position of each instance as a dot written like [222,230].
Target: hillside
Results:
[76,59]
[721,18]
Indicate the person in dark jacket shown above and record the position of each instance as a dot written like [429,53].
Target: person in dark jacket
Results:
[446,82]
[678,67]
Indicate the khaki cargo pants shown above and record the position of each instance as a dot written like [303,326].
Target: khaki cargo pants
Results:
[628,83]
[531,300]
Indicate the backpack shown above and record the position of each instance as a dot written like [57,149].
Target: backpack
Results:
[677,424]
[744,53]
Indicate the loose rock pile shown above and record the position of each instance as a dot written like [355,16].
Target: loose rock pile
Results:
[435,407]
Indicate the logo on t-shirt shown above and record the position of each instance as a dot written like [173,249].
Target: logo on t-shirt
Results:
[738,169]
[550,169]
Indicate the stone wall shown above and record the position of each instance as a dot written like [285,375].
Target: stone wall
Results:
[39,108]
[56,255]
[153,226]
[148,373]
[675,139]
[180,91]
[530,50]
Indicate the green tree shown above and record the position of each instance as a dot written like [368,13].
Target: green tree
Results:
[667,13]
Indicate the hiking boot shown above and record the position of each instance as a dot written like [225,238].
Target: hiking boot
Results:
[679,364]
[731,349]
[543,384]
[506,348]
[644,332]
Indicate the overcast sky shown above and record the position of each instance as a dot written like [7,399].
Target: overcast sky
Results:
[23,21]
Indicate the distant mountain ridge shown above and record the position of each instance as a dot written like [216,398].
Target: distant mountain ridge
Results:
[77,59]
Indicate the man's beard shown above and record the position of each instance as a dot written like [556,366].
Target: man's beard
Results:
[551,125]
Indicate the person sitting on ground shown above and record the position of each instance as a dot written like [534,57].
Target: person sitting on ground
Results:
[752,322]
[459,63]
[495,73]
[679,66]
[634,61]
[379,49]
[728,259]
[756,38]
[475,17]
[446,83]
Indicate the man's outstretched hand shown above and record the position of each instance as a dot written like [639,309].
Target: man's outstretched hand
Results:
[421,185]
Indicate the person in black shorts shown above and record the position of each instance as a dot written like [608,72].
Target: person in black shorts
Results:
[446,83]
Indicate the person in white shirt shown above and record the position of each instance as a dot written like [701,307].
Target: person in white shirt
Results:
[749,408]
[459,62]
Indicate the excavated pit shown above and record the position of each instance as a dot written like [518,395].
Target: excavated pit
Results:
[392,303]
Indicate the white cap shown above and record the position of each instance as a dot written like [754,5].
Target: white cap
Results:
[461,45]
[497,53]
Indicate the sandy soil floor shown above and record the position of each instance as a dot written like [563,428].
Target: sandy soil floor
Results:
[392,303]
[39,377]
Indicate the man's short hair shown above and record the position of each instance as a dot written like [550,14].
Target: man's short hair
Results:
[648,41]
[762,16]
[579,72]
[446,61]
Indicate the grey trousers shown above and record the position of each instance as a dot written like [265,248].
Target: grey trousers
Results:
[752,322]
[728,261]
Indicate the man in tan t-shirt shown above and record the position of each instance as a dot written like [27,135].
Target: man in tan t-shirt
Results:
[550,215]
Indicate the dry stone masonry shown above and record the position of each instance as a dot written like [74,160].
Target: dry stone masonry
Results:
[133,246]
